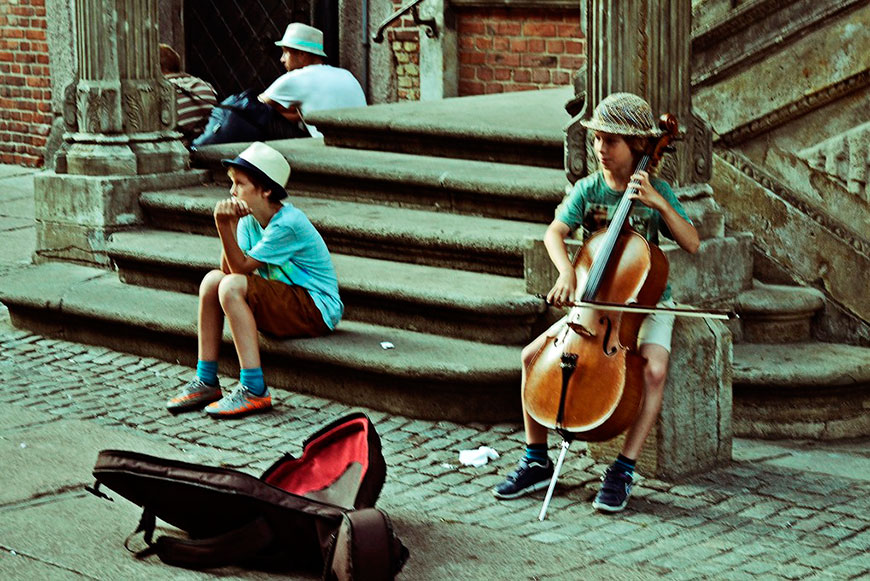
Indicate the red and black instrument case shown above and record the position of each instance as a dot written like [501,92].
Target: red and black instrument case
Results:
[288,517]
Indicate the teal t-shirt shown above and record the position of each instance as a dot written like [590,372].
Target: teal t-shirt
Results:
[591,204]
[294,253]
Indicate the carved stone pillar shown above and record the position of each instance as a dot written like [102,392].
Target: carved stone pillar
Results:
[120,116]
[120,113]
[643,47]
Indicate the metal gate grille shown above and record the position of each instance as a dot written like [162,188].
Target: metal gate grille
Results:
[231,43]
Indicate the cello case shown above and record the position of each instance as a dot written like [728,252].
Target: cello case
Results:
[286,518]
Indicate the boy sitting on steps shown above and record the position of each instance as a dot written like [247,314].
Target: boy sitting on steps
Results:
[276,276]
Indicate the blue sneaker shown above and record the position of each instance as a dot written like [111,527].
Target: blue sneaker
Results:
[615,490]
[527,478]
[194,395]
[240,402]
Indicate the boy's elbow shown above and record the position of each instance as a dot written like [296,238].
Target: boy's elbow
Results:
[693,245]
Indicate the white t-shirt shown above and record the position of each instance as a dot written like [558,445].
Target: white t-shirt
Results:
[317,88]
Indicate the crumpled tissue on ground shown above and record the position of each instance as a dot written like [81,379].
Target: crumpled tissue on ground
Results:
[477,457]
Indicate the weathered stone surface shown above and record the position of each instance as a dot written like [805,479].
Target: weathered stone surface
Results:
[810,251]
[75,214]
[822,57]
[778,313]
[805,390]
[694,429]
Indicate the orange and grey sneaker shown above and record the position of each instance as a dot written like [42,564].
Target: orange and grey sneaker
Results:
[194,395]
[240,402]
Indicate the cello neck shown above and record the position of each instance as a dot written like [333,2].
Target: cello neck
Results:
[620,219]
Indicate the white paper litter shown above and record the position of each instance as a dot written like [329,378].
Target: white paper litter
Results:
[477,457]
[387,345]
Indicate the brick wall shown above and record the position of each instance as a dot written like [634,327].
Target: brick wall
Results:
[504,49]
[25,82]
[404,39]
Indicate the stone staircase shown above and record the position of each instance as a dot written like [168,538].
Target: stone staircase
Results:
[787,384]
[428,250]
[432,254]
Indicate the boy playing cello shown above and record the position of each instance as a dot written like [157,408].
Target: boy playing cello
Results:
[622,124]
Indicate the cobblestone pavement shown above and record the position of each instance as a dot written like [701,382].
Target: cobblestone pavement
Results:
[760,517]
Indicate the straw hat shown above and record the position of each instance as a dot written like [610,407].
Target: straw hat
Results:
[303,37]
[623,114]
[265,163]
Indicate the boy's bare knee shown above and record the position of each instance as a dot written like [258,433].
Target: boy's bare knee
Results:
[232,287]
[210,282]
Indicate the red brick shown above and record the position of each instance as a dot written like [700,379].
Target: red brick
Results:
[467,72]
[538,45]
[518,44]
[494,88]
[541,76]
[502,74]
[483,43]
[484,74]
[470,88]
[34,34]
[469,27]
[508,60]
[539,29]
[569,30]
[560,78]
[509,28]
[555,46]
[535,60]
[572,63]
[575,47]
[472,58]
[522,75]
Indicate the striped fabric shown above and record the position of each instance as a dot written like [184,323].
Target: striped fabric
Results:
[623,114]
[194,99]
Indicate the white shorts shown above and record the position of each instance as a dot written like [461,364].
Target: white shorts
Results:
[657,328]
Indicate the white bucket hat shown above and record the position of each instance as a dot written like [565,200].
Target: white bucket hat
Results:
[265,163]
[623,114]
[303,37]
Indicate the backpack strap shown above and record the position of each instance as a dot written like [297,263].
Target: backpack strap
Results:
[229,548]
[365,548]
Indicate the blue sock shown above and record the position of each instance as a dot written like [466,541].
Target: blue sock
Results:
[536,453]
[206,372]
[625,464]
[253,380]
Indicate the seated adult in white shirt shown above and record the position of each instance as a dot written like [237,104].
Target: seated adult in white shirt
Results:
[309,84]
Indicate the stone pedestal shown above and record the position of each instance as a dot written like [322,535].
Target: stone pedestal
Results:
[76,214]
[119,115]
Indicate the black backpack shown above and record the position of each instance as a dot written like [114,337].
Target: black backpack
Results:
[289,517]
[244,118]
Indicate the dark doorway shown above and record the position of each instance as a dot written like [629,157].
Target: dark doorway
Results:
[231,43]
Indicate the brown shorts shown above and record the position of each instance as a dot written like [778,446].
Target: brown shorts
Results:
[284,310]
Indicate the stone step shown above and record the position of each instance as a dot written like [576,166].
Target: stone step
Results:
[524,128]
[801,390]
[439,184]
[772,313]
[467,305]
[472,243]
[424,376]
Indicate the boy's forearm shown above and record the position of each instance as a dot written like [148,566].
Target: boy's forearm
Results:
[683,232]
[231,254]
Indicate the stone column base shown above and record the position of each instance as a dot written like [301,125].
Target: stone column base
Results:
[76,214]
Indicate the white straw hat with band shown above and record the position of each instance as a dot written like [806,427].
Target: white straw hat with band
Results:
[623,114]
[303,37]
[265,163]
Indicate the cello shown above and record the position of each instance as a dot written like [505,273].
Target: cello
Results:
[586,382]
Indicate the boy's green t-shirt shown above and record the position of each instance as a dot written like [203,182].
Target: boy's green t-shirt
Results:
[590,206]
